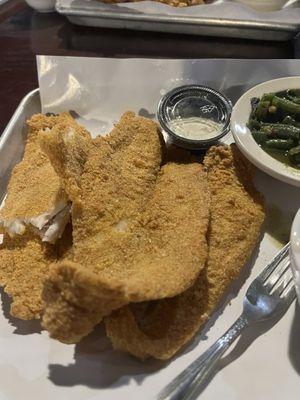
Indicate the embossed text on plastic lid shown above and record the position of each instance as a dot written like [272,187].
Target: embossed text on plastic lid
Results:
[194,116]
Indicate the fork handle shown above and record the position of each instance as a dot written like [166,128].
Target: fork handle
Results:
[186,385]
[211,357]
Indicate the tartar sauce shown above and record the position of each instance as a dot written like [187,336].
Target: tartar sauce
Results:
[195,128]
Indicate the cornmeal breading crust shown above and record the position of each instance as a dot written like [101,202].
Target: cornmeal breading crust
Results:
[34,177]
[25,263]
[133,235]
[161,328]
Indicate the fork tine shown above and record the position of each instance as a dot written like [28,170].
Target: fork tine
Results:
[290,297]
[274,263]
[289,292]
[281,269]
[282,283]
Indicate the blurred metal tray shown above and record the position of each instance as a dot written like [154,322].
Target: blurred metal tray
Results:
[223,27]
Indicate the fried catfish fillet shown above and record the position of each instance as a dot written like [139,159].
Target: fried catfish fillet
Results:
[35,197]
[131,227]
[25,262]
[161,328]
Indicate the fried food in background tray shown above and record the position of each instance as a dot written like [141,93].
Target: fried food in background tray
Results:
[139,231]
[161,328]
[173,3]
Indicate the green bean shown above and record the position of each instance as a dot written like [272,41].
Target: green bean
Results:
[293,99]
[280,144]
[274,123]
[269,124]
[288,120]
[294,155]
[290,94]
[262,110]
[268,97]
[286,106]
[281,131]
[260,137]
[281,94]
[253,124]
[293,95]
[294,92]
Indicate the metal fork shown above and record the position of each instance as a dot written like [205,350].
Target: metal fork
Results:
[268,296]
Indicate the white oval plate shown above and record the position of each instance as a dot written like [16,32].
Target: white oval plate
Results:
[245,140]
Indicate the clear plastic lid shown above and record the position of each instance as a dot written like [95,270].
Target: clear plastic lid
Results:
[195,116]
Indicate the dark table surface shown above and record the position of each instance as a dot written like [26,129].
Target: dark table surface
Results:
[25,33]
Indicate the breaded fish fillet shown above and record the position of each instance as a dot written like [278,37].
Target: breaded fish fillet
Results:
[129,228]
[35,197]
[161,328]
[25,262]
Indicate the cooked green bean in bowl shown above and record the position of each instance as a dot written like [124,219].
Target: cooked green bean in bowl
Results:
[275,125]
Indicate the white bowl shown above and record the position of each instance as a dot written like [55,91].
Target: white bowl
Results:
[295,252]
[42,6]
[245,140]
[264,5]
